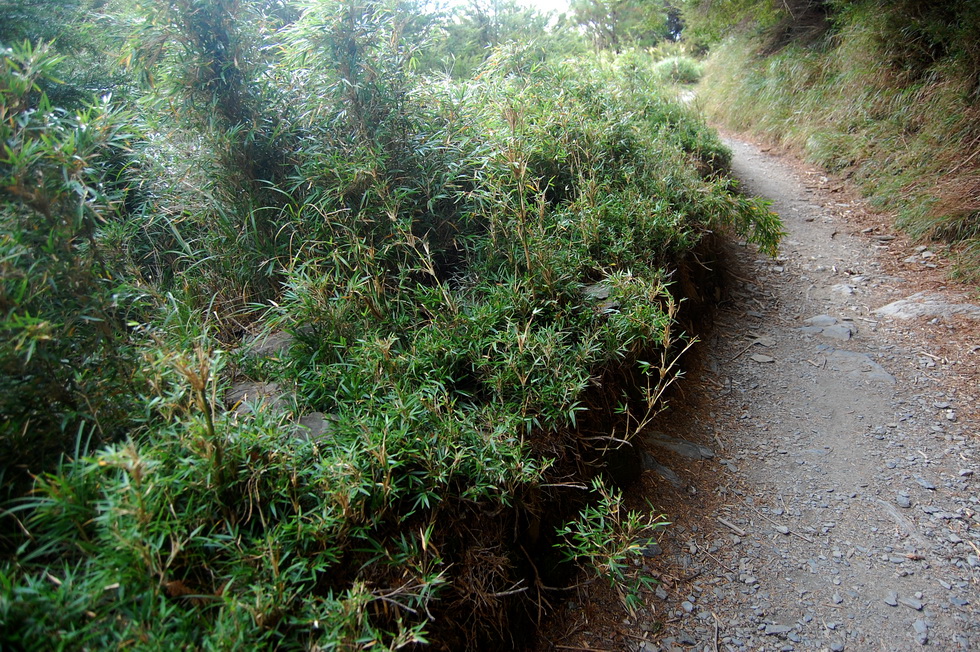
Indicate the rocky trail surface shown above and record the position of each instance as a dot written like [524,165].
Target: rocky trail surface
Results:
[821,463]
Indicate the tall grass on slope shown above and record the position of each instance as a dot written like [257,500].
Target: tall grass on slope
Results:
[473,269]
[912,142]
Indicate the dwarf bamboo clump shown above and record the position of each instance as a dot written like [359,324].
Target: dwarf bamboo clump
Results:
[475,280]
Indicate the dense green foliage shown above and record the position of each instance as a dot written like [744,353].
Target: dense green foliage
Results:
[618,24]
[885,92]
[79,32]
[679,69]
[469,32]
[63,302]
[476,276]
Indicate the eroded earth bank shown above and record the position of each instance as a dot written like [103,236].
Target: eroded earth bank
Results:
[821,462]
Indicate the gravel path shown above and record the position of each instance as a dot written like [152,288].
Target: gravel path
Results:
[822,468]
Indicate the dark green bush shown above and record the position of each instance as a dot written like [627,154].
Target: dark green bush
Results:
[64,364]
[681,70]
[461,265]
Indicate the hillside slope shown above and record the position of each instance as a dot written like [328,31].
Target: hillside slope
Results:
[885,94]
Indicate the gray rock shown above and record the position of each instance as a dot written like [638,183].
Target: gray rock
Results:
[891,599]
[821,321]
[680,446]
[921,629]
[839,332]
[601,292]
[246,397]
[778,629]
[925,483]
[314,425]
[650,464]
[924,304]
[271,345]
[858,366]
[903,501]
[763,359]
[684,638]
[651,549]
[911,603]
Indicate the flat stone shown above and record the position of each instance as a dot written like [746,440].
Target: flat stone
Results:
[778,629]
[921,631]
[858,366]
[271,345]
[912,603]
[650,464]
[925,483]
[680,446]
[315,425]
[685,638]
[763,359]
[838,331]
[891,599]
[600,290]
[924,304]
[246,397]
[903,501]
[821,320]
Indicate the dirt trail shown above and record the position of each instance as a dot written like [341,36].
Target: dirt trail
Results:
[830,499]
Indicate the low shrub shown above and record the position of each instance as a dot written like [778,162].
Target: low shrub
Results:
[476,281]
[680,70]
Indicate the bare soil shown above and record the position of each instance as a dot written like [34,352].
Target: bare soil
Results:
[840,508]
